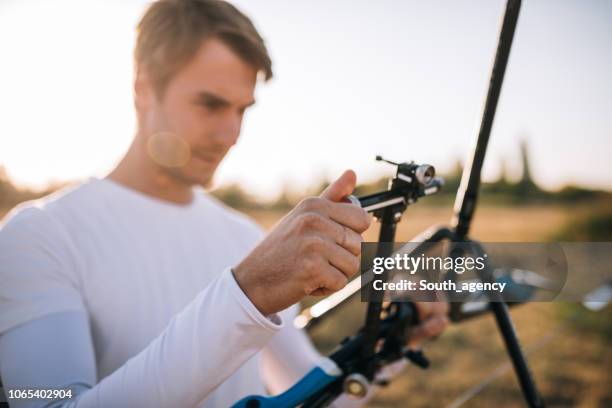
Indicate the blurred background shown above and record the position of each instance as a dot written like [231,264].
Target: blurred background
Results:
[354,79]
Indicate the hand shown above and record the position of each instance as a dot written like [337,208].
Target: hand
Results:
[433,319]
[313,250]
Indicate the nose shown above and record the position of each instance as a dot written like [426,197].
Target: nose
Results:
[229,130]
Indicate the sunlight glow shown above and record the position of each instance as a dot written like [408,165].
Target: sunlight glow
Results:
[401,79]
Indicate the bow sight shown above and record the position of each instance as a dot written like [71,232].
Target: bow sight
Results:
[411,182]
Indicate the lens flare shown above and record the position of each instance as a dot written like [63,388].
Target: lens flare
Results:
[168,149]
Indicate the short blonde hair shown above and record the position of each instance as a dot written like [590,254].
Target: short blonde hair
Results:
[171,31]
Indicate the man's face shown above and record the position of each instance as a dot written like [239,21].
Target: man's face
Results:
[188,132]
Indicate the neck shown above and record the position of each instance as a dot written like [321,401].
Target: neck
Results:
[138,172]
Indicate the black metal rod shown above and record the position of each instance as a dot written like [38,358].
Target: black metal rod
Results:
[511,341]
[519,361]
[383,199]
[467,195]
[372,323]
[465,203]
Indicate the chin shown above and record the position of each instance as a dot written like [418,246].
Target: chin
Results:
[205,182]
[191,177]
[200,180]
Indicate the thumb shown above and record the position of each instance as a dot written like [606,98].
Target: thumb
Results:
[340,188]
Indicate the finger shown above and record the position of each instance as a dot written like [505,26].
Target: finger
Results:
[424,310]
[428,329]
[440,308]
[331,279]
[340,188]
[349,215]
[341,259]
[321,292]
[343,236]
[350,240]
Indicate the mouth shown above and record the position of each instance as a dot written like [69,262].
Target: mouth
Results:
[210,154]
[207,158]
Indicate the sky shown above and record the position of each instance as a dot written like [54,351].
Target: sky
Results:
[353,79]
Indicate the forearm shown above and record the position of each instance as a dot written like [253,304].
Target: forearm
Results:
[202,346]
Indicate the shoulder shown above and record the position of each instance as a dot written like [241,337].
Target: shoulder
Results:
[27,215]
[50,221]
[35,248]
[42,212]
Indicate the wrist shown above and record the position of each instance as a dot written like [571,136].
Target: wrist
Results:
[251,290]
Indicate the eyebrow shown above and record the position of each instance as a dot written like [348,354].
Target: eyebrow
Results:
[209,97]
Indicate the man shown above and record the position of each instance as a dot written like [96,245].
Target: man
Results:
[136,290]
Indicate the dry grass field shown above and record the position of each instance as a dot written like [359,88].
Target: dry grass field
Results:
[569,347]
[491,224]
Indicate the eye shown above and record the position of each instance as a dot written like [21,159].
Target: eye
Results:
[212,105]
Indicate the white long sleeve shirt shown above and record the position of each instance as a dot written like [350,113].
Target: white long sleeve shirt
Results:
[168,324]
[130,301]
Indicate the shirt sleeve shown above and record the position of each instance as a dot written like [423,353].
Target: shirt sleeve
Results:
[36,269]
[64,360]
[201,347]
[288,356]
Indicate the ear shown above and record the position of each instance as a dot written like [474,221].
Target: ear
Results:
[143,91]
